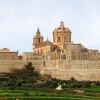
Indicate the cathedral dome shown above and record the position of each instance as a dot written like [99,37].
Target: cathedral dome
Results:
[62,28]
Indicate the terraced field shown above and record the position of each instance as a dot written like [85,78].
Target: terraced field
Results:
[92,93]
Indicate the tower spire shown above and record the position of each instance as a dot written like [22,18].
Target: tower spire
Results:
[38,32]
[37,39]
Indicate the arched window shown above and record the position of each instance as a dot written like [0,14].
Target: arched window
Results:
[39,40]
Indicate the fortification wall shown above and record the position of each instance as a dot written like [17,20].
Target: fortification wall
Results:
[91,74]
[79,69]
[85,64]
[60,69]
[7,65]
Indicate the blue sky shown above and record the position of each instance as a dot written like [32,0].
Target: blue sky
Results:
[19,20]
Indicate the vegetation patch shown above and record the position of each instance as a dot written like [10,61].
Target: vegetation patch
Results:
[28,84]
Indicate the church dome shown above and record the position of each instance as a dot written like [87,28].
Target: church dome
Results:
[62,28]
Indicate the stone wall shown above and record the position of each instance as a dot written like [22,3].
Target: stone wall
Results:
[60,69]
[91,74]
[79,69]
[7,65]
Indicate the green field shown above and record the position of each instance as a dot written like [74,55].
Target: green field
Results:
[92,93]
[28,84]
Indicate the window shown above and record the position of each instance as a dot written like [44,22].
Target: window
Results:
[43,57]
[64,56]
[26,58]
[59,39]
[39,40]
[43,63]
[54,39]
[41,50]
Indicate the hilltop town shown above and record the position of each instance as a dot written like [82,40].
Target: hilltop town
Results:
[60,58]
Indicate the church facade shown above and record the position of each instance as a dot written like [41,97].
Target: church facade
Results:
[61,58]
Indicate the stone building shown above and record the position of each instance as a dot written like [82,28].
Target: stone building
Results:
[6,54]
[31,56]
[62,59]
[62,46]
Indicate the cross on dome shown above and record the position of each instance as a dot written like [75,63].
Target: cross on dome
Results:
[62,24]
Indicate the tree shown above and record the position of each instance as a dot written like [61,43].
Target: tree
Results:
[26,76]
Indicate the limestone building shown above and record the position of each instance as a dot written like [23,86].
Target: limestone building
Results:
[62,46]
[60,58]
[64,59]
[6,54]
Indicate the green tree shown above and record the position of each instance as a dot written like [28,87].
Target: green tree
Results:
[26,76]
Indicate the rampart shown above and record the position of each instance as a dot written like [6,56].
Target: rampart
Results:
[60,69]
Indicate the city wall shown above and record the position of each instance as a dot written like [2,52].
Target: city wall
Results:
[60,69]
[78,69]
[8,65]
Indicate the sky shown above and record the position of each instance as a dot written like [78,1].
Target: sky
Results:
[19,20]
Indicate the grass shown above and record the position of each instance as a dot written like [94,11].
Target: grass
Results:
[93,89]
[92,93]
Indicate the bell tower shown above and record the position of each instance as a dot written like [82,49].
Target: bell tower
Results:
[61,34]
[37,39]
